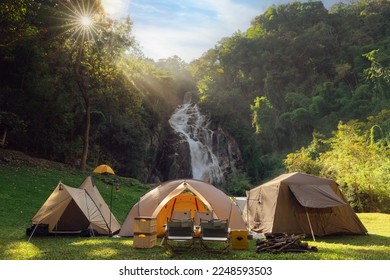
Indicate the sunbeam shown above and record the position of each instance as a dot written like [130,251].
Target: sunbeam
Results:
[81,20]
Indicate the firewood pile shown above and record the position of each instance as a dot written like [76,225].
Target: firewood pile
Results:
[283,243]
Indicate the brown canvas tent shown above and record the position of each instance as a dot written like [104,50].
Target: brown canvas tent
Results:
[155,201]
[75,211]
[298,203]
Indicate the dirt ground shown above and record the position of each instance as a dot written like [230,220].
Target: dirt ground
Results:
[19,158]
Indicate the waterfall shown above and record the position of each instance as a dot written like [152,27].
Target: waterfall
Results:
[188,122]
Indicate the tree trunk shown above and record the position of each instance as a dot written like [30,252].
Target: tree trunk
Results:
[87,119]
[84,155]
[3,139]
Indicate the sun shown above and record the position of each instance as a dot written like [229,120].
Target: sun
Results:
[86,21]
[81,20]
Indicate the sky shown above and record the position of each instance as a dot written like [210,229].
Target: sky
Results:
[187,28]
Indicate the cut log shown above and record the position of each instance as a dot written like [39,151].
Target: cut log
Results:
[282,243]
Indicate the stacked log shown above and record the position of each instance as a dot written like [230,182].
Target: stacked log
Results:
[283,243]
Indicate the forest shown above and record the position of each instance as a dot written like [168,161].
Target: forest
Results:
[305,88]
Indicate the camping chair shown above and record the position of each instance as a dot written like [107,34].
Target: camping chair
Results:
[179,231]
[204,216]
[214,231]
[181,215]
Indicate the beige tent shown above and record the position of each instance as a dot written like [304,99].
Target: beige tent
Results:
[104,210]
[298,203]
[71,211]
[152,203]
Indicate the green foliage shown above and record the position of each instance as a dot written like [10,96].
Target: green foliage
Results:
[299,68]
[377,70]
[300,161]
[361,167]
[57,78]
[237,183]
[260,108]
[378,73]
[11,121]
[355,160]
[15,19]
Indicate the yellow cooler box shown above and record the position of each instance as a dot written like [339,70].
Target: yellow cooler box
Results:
[144,240]
[145,224]
[239,239]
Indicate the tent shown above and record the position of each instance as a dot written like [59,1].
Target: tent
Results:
[298,203]
[183,202]
[104,210]
[104,169]
[75,211]
[156,204]
[241,202]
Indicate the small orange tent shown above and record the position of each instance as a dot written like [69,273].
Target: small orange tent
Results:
[104,169]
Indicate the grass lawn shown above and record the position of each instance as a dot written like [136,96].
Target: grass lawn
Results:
[24,188]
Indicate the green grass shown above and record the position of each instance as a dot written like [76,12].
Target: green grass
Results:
[23,190]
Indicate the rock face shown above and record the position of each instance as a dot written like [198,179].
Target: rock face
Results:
[226,149]
[193,149]
[174,161]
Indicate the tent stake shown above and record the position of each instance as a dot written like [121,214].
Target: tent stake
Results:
[311,229]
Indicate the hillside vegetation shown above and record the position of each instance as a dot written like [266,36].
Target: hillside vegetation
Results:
[308,89]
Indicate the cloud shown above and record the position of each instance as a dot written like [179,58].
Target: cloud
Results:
[116,8]
[186,28]
[188,42]
[232,14]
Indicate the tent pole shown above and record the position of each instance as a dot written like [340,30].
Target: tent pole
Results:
[32,233]
[247,210]
[311,229]
[109,230]
[230,213]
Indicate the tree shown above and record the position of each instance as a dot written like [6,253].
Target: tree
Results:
[260,111]
[378,73]
[306,159]
[15,22]
[353,158]
[237,183]
[355,164]
[9,121]
[96,45]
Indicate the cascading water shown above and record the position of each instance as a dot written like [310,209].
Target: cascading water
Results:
[188,122]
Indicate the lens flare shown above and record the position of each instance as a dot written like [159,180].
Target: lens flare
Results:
[86,21]
[81,20]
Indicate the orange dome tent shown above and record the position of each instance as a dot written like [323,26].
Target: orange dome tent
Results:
[181,203]
[103,169]
[179,195]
